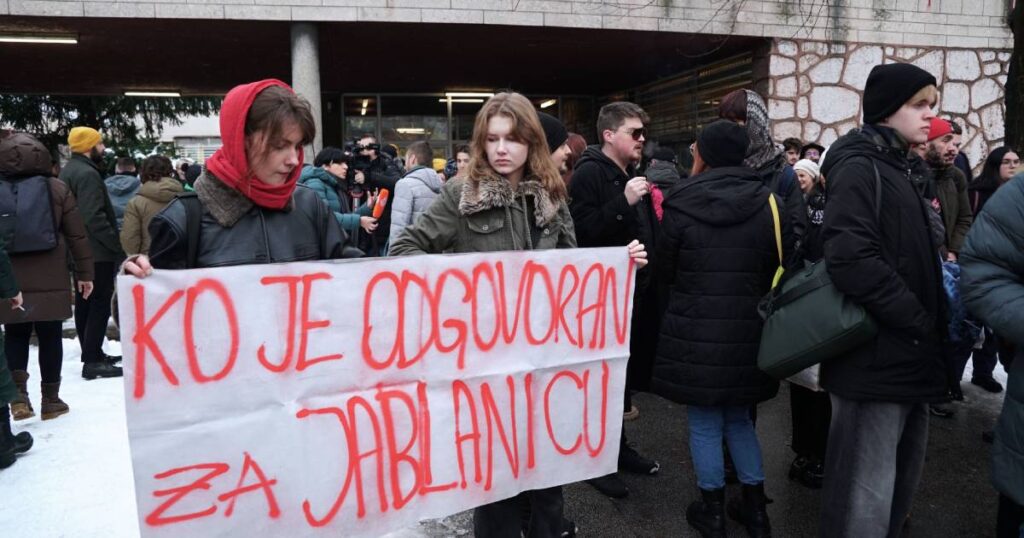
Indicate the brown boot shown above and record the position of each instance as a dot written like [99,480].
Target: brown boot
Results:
[21,408]
[52,406]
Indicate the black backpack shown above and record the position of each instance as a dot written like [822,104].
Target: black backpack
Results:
[26,215]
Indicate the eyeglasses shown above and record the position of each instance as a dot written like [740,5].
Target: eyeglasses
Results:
[635,134]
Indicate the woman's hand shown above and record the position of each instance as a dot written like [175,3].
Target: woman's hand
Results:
[368,223]
[638,253]
[137,266]
[360,178]
[17,301]
[85,288]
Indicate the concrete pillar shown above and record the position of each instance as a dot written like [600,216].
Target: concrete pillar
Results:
[306,76]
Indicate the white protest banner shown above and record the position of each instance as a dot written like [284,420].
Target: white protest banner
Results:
[355,398]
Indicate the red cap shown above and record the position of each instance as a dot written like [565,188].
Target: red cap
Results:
[939,127]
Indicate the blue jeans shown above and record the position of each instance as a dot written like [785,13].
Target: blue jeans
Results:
[708,425]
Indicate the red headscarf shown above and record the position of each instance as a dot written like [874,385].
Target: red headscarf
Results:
[229,163]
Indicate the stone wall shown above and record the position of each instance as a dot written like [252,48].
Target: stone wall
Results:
[815,89]
[939,23]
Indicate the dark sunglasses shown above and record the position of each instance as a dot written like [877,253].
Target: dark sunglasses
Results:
[637,133]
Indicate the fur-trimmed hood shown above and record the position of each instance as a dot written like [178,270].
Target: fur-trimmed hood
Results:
[495,192]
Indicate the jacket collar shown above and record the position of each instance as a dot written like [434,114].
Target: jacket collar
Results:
[493,192]
[226,205]
[85,159]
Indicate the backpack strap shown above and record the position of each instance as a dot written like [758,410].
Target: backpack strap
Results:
[778,237]
[193,221]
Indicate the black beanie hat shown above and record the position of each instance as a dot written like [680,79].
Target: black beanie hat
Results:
[723,143]
[554,131]
[890,86]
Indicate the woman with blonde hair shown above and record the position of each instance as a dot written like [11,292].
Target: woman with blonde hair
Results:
[511,197]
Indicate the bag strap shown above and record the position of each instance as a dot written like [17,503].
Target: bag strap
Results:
[193,221]
[778,237]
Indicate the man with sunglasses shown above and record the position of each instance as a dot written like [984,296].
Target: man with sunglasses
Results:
[610,207]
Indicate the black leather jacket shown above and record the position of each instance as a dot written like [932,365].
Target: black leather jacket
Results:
[304,230]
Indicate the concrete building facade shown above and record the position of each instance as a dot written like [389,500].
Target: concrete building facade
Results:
[810,58]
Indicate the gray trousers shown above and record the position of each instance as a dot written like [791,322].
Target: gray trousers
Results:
[873,464]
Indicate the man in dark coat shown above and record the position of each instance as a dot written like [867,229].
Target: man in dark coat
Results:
[723,239]
[384,173]
[953,204]
[881,254]
[611,207]
[82,175]
[992,283]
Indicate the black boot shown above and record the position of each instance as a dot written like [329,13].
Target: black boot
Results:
[751,511]
[11,445]
[708,514]
[92,370]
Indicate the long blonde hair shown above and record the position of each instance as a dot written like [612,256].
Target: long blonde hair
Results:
[526,126]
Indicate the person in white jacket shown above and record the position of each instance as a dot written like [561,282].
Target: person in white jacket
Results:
[416,190]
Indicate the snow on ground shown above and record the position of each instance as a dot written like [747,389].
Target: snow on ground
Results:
[77,479]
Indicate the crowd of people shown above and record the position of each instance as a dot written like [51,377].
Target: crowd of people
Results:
[891,209]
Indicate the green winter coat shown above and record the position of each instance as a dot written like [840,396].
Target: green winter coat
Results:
[992,286]
[86,183]
[951,187]
[8,289]
[488,216]
[152,197]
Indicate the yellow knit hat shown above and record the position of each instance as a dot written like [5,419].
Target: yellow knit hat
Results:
[439,165]
[83,139]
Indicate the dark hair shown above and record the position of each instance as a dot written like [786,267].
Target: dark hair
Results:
[464,148]
[989,175]
[125,163]
[733,106]
[613,115]
[155,168]
[955,126]
[271,110]
[329,155]
[193,173]
[792,143]
[424,155]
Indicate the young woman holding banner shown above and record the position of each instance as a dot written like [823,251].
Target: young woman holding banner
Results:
[250,210]
[511,197]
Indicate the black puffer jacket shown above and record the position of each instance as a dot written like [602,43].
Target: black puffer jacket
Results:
[234,231]
[719,252]
[890,266]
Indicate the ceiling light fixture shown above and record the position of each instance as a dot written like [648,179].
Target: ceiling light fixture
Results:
[411,130]
[548,103]
[461,100]
[366,102]
[151,94]
[485,95]
[52,39]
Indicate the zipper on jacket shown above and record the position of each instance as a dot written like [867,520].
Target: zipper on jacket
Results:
[266,238]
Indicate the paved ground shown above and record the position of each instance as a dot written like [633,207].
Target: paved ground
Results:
[955,499]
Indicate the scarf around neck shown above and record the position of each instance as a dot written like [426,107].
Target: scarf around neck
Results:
[230,163]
